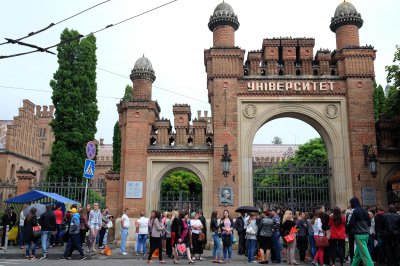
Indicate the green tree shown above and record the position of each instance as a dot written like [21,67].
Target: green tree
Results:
[277,140]
[74,98]
[128,93]
[379,101]
[116,148]
[310,152]
[393,77]
[181,181]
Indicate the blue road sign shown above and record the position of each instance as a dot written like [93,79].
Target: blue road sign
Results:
[88,171]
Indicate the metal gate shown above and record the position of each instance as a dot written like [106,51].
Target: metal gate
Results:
[296,187]
[182,201]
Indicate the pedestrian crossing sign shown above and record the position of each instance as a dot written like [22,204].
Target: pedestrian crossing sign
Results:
[88,171]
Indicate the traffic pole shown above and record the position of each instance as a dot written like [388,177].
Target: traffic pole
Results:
[86,190]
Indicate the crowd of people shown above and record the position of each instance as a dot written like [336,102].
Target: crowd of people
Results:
[355,235]
[55,227]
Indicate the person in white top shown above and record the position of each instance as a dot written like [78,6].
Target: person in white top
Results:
[318,232]
[143,225]
[21,227]
[196,227]
[125,224]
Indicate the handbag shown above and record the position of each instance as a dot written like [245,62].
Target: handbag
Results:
[202,236]
[13,233]
[321,241]
[37,231]
[291,236]
[250,230]
[109,224]
[181,248]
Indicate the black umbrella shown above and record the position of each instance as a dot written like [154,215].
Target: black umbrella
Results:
[247,209]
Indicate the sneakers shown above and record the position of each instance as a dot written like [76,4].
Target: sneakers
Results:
[124,253]
[43,257]
[65,258]
[83,258]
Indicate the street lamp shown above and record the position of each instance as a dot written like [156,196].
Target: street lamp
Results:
[226,160]
[370,159]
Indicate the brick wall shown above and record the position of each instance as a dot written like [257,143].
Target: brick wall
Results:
[347,35]
[224,36]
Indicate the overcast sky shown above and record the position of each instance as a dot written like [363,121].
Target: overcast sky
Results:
[173,38]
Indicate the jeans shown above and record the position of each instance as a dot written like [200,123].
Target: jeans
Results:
[277,246]
[101,237]
[313,248]
[217,247]
[73,243]
[141,247]
[251,249]
[21,236]
[124,236]
[362,253]
[45,238]
[336,247]
[302,244]
[28,248]
[227,249]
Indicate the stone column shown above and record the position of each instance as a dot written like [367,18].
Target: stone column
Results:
[24,180]
[112,189]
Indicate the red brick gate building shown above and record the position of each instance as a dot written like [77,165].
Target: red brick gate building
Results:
[331,91]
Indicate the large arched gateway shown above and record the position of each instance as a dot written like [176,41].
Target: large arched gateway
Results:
[330,90]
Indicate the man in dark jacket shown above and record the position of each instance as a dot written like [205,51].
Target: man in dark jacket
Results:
[47,222]
[240,227]
[391,235]
[359,223]
[379,229]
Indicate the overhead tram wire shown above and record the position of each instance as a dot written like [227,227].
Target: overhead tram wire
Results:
[13,41]
[177,93]
[82,36]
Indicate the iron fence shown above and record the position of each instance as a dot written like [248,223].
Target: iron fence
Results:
[296,187]
[182,201]
[7,191]
[75,189]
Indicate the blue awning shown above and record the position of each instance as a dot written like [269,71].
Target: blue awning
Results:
[36,195]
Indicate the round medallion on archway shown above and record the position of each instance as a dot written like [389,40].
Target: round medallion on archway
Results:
[331,111]
[136,114]
[181,119]
[359,84]
[250,111]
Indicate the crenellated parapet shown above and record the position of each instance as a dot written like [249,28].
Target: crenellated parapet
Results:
[44,111]
[289,57]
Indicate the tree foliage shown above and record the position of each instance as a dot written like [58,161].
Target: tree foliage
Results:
[393,77]
[310,152]
[74,98]
[379,101]
[181,181]
[116,148]
[277,140]
[128,93]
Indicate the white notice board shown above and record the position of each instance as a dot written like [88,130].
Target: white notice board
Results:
[134,190]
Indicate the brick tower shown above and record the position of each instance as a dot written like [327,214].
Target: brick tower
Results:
[355,65]
[136,119]
[224,66]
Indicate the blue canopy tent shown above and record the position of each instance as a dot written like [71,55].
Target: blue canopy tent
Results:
[40,196]
[37,196]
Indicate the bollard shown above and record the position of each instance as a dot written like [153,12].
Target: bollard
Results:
[6,239]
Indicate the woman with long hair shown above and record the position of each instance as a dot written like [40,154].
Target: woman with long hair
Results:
[84,226]
[337,222]
[155,238]
[168,245]
[5,220]
[29,238]
[287,224]
[216,238]
[311,240]
[226,226]
[176,228]
[318,232]
[185,235]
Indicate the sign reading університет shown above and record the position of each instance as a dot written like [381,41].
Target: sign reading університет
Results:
[290,86]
